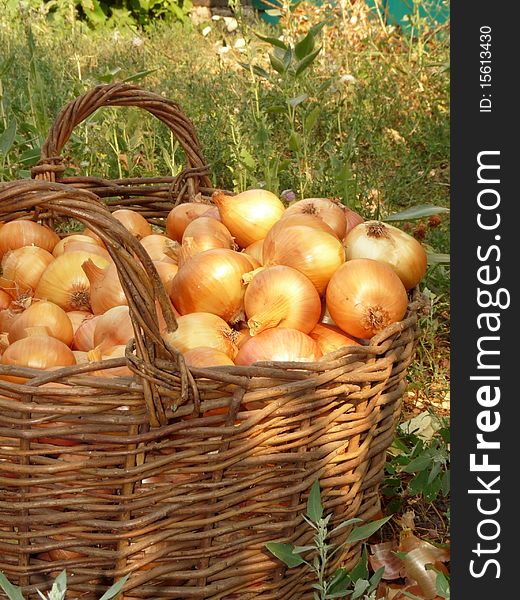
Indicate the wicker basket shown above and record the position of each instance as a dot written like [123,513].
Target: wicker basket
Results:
[179,476]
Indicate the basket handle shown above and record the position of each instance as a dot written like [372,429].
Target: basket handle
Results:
[141,283]
[50,167]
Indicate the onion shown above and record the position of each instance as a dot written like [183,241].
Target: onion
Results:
[249,215]
[17,234]
[81,357]
[136,224]
[90,247]
[95,355]
[157,247]
[105,287]
[364,296]
[36,352]
[255,250]
[388,244]
[25,266]
[43,314]
[166,272]
[278,344]
[328,210]
[203,234]
[76,318]
[212,282]
[182,214]
[352,218]
[5,300]
[64,282]
[243,335]
[74,237]
[114,328]
[315,253]
[8,317]
[330,338]
[84,335]
[202,329]
[281,296]
[204,356]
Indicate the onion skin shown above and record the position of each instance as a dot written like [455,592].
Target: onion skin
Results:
[330,338]
[84,334]
[352,218]
[255,251]
[5,300]
[136,224]
[113,328]
[17,234]
[106,290]
[73,237]
[182,214]
[278,344]
[388,244]
[25,266]
[204,356]
[249,215]
[364,296]
[281,296]
[43,314]
[156,246]
[315,253]
[328,210]
[211,281]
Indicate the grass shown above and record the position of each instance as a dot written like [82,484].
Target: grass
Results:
[380,140]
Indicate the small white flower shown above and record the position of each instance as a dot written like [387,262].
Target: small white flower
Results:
[231,23]
[224,50]
[348,78]
[137,42]
[206,31]
[240,43]
[215,18]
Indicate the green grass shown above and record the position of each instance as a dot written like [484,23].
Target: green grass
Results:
[380,142]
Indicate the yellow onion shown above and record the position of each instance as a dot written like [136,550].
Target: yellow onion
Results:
[5,300]
[255,251]
[352,218]
[37,352]
[114,328]
[204,356]
[315,253]
[278,344]
[281,296]
[84,334]
[166,272]
[202,329]
[249,215]
[328,210]
[182,214]
[81,357]
[64,282]
[76,318]
[242,336]
[25,266]
[74,237]
[157,247]
[388,244]
[136,224]
[8,317]
[105,287]
[43,314]
[88,232]
[212,282]
[90,247]
[203,234]
[364,296]
[330,338]
[96,355]
[17,234]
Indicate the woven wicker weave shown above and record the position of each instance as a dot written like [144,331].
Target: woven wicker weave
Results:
[179,476]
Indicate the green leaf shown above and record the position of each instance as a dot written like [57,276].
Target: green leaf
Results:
[418,464]
[360,571]
[272,40]
[346,523]
[7,138]
[314,505]
[315,29]
[294,102]
[376,578]
[442,585]
[258,71]
[360,587]
[109,75]
[311,118]
[114,590]
[59,587]
[306,62]
[13,592]
[93,11]
[139,75]
[276,108]
[365,531]
[435,258]
[434,471]
[295,143]
[338,584]
[417,212]
[445,483]
[277,64]
[302,549]
[284,552]
[304,46]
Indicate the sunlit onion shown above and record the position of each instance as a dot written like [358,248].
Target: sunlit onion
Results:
[330,338]
[43,314]
[328,210]
[204,356]
[278,344]
[135,223]
[17,234]
[182,214]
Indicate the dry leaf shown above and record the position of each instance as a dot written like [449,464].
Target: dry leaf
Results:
[382,555]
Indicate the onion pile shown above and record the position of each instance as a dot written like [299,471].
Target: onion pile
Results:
[249,281]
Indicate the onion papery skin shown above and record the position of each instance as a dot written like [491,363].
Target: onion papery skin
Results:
[254,250]
[315,253]
[43,314]
[330,338]
[113,328]
[157,246]
[166,271]
[352,218]
[364,296]
[390,245]
[76,318]
[329,211]
[182,214]
[36,352]
[249,215]
[211,281]
[204,356]
[64,282]
[281,296]
[135,223]
[119,351]
[17,234]
[5,300]
[278,344]
[25,266]
[106,290]
[202,329]
[74,237]
[84,335]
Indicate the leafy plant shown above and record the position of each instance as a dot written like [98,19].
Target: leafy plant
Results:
[341,583]
[58,590]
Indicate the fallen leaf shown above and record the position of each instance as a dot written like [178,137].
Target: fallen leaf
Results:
[382,555]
